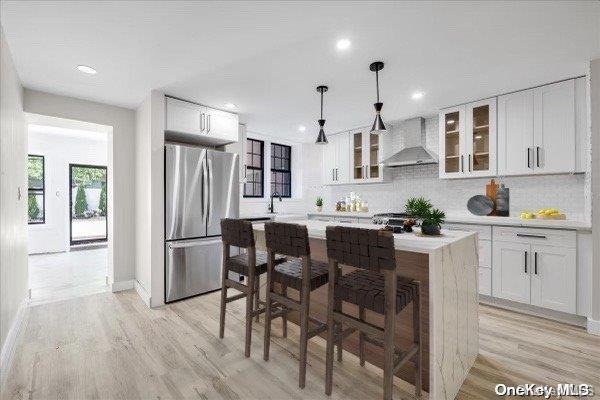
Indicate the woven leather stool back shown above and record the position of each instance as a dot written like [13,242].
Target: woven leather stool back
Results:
[237,232]
[368,249]
[287,239]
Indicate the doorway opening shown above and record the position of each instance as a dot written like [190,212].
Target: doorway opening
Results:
[70,190]
[88,204]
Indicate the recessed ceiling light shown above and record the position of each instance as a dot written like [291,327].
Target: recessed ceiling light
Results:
[87,70]
[343,44]
[417,95]
[450,122]
[301,128]
[230,106]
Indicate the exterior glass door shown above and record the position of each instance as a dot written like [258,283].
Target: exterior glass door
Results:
[88,203]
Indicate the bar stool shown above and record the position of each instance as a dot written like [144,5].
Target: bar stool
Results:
[302,274]
[374,286]
[239,233]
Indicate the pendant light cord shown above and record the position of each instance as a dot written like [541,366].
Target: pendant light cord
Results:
[321,104]
[377,80]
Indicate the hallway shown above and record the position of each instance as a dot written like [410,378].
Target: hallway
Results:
[61,276]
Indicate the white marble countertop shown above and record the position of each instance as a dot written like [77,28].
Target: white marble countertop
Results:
[413,241]
[467,218]
[273,215]
[515,221]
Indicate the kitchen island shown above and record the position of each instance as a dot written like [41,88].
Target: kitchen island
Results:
[446,266]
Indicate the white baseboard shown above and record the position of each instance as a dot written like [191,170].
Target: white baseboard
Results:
[141,291]
[593,327]
[122,285]
[8,348]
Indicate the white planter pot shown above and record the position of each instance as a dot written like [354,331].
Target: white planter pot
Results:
[319,208]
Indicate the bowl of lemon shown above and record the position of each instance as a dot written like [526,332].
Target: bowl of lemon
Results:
[544,213]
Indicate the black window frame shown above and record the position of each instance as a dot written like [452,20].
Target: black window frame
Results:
[281,170]
[253,168]
[37,191]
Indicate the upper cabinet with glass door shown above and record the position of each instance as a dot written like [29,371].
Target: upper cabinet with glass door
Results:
[365,157]
[468,140]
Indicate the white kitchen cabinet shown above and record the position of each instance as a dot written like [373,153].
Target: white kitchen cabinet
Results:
[537,130]
[221,125]
[195,123]
[468,140]
[554,128]
[364,155]
[511,278]
[452,143]
[554,278]
[536,266]
[185,117]
[485,281]
[515,133]
[336,169]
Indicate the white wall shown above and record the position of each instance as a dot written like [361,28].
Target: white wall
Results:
[570,193]
[60,150]
[122,177]
[149,187]
[595,125]
[13,205]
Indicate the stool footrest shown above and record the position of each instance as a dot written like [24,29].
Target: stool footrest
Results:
[361,325]
[236,297]
[236,285]
[320,328]
[405,356]
[285,301]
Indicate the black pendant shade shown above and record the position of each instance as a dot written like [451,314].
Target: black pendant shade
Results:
[378,125]
[321,139]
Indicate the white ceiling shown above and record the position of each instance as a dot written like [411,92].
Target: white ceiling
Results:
[268,57]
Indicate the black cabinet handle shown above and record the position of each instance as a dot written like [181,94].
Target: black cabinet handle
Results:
[535,263]
[526,254]
[470,162]
[528,157]
[537,156]
[462,167]
[531,236]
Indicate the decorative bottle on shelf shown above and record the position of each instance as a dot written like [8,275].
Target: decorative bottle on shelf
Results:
[502,201]
[490,191]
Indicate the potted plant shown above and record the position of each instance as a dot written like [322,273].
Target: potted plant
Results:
[418,207]
[319,204]
[432,222]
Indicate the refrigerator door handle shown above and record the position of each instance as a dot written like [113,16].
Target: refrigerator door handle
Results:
[204,193]
[210,188]
[192,243]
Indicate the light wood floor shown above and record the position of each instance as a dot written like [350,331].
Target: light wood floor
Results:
[61,276]
[111,346]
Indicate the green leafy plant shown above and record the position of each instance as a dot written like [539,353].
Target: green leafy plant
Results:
[33,209]
[81,204]
[434,217]
[319,201]
[418,207]
[102,205]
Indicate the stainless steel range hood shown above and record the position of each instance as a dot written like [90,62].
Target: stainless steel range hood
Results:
[415,151]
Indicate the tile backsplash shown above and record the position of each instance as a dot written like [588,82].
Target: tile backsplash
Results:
[569,193]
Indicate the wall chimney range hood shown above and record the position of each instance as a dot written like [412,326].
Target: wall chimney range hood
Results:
[415,151]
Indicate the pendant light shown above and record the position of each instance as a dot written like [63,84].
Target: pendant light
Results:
[321,139]
[378,126]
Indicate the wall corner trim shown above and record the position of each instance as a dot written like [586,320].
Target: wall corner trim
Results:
[142,293]
[593,327]
[8,349]
[122,285]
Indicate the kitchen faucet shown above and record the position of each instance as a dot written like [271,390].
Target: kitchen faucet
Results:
[271,209]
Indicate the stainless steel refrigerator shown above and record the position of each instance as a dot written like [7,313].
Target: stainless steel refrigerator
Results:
[201,187]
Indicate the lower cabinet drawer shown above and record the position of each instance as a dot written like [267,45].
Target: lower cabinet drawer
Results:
[485,281]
